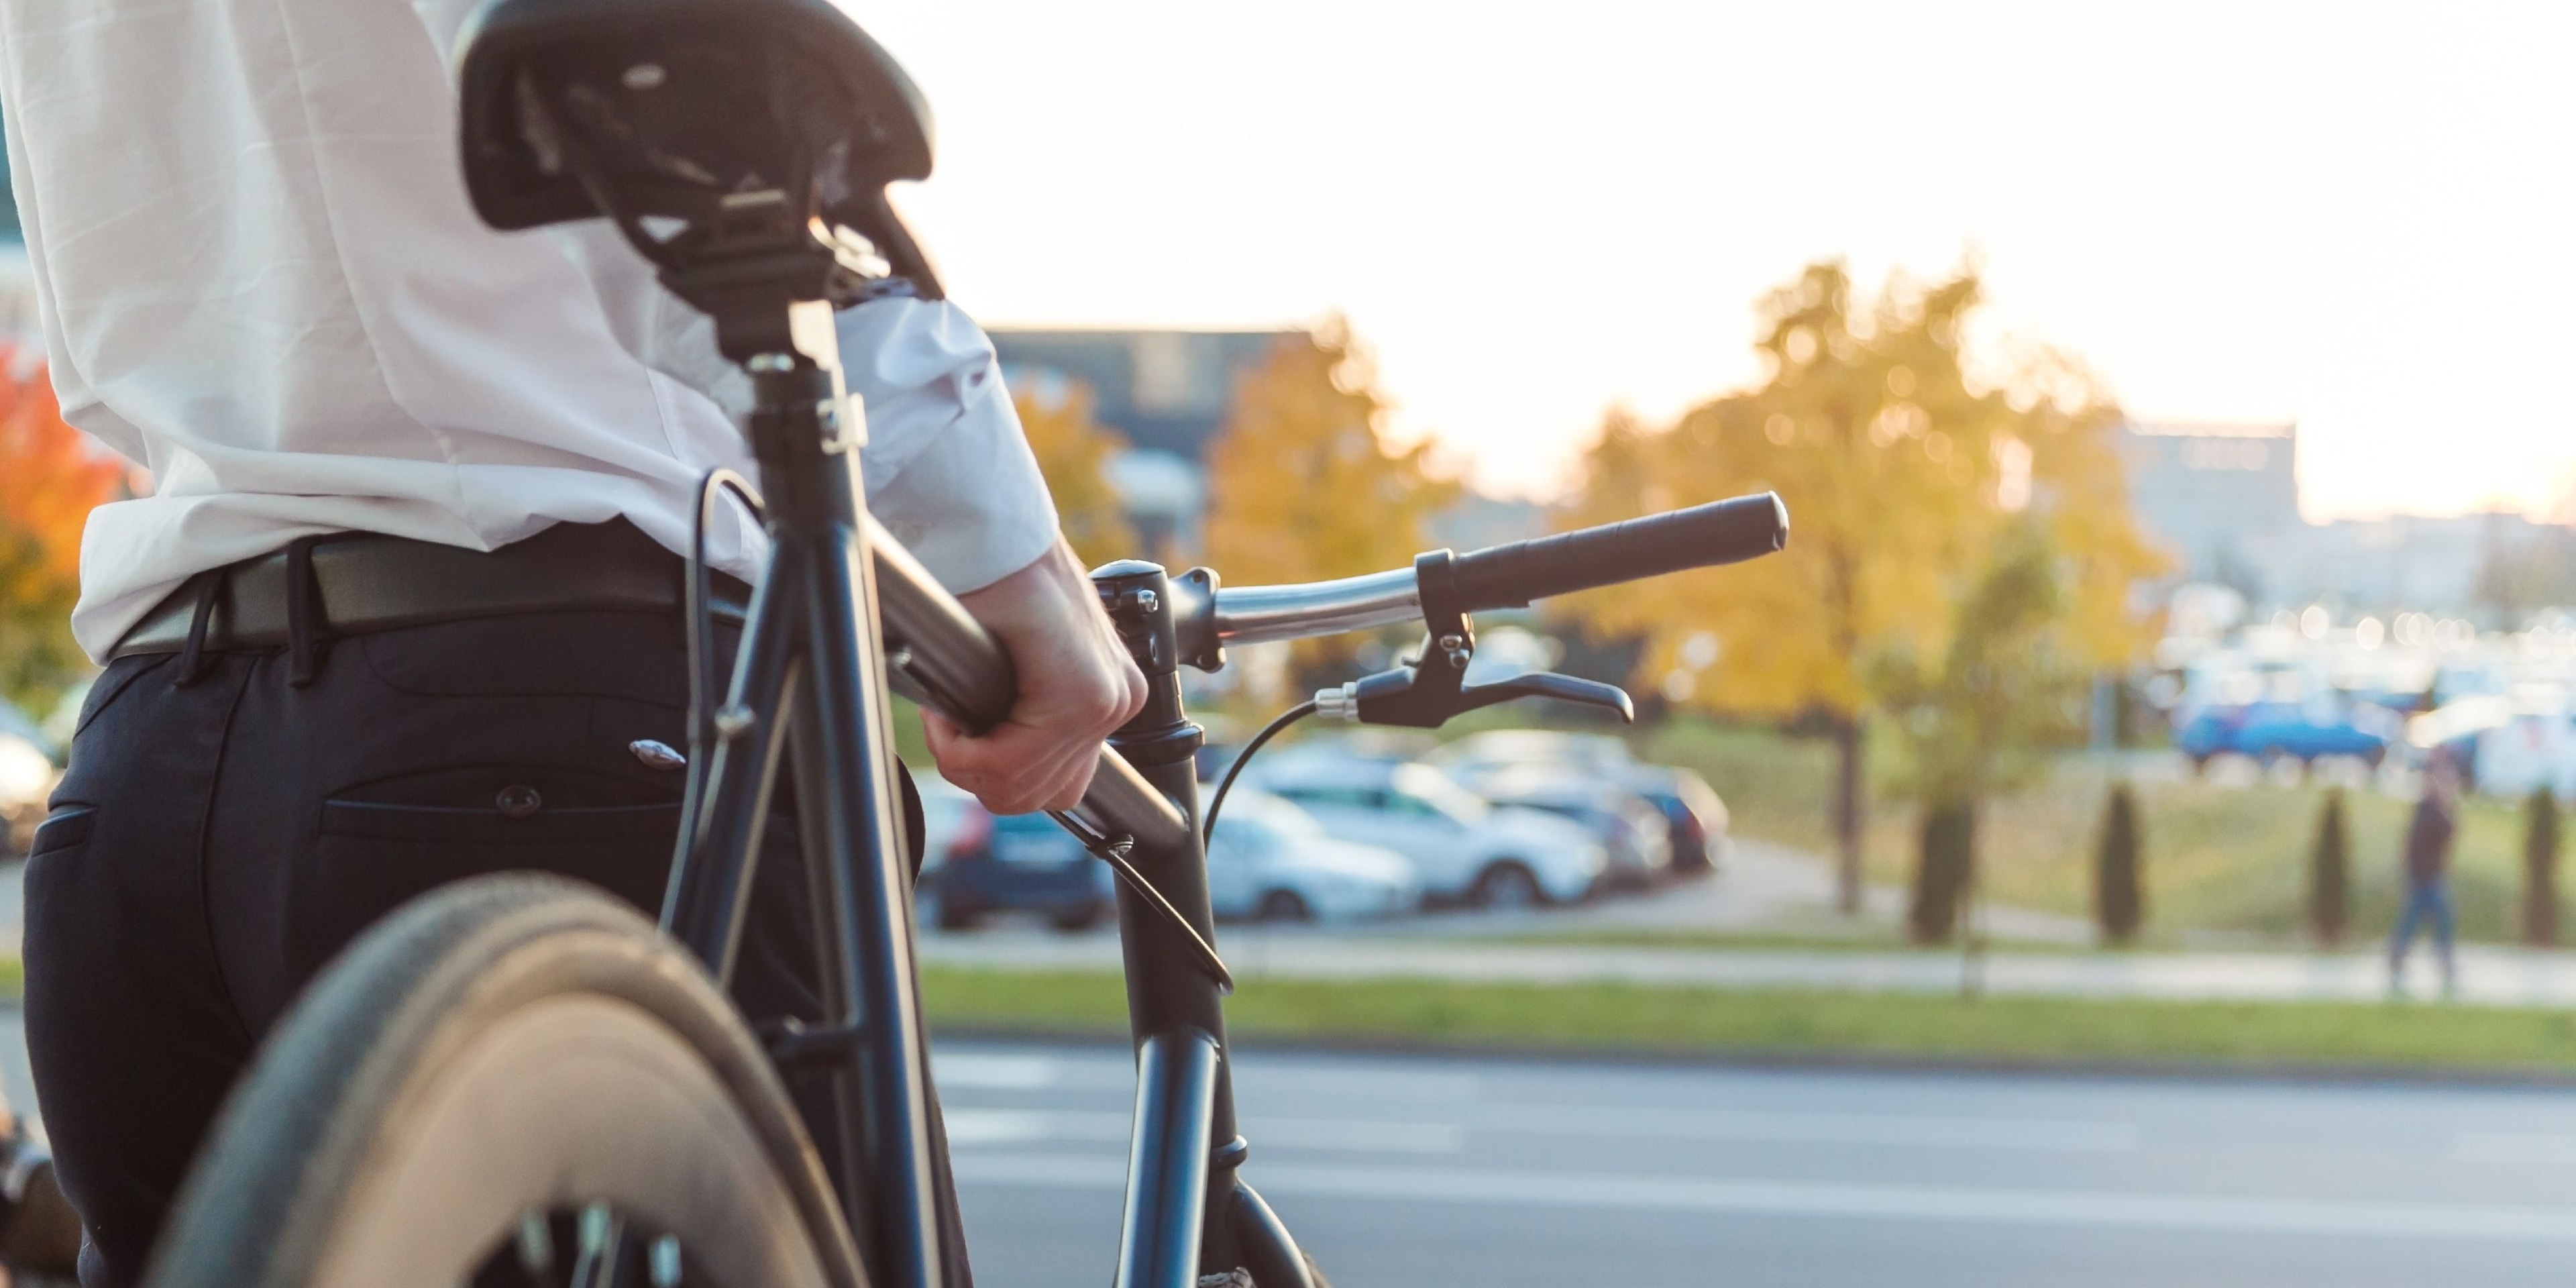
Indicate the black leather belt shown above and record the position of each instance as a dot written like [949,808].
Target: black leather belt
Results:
[371,582]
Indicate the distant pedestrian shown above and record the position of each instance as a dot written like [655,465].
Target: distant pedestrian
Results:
[2428,874]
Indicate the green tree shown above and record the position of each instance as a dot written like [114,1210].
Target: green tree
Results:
[1942,879]
[1073,452]
[1303,484]
[2330,874]
[2119,889]
[2540,870]
[1902,470]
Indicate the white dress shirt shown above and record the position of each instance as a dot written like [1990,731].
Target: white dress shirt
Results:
[259,276]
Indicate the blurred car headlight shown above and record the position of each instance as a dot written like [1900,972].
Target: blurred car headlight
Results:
[25,774]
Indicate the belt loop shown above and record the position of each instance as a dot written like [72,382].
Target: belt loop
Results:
[303,602]
[192,659]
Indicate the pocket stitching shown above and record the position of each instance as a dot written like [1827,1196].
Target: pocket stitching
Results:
[124,684]
[449,825]
[51,835]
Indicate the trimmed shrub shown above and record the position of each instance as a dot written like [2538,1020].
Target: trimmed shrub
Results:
[2540,870]
[2330,874]
[2119,893]
[1941,866]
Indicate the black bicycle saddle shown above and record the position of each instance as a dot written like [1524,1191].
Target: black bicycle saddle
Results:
[697,124]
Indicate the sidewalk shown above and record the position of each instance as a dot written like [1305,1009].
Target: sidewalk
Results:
[2488,976]
[1771,888]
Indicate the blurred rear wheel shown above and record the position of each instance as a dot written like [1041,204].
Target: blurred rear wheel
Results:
[1075,921]
[1285,906]
[951,913]
[1508,885]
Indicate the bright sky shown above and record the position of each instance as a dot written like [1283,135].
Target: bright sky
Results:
[2361,217]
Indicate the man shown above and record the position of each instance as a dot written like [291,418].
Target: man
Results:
[2428,874]
[258,275]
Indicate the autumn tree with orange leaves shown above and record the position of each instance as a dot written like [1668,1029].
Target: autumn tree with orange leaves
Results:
[50,479]
[1958,534]
[1073,452]
[1304,483]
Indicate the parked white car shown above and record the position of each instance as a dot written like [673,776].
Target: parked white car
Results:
[943,815]
[1464,848]
[1271,861]
[1694,818]
[1628,826]
[2530,750]
[27,777]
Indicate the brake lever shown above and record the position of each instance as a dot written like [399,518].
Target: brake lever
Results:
[1410,698]
[1549,684]
[1427,689]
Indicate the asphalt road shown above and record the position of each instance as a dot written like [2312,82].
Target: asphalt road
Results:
[1399,1171]
[1406,1171]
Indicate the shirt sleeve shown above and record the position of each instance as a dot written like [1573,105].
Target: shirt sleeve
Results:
[947,467]
[443,18]
[949,471]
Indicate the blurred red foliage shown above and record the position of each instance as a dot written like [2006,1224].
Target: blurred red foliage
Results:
[50,479]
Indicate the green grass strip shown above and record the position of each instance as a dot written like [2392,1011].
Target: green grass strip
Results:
[1798,1023]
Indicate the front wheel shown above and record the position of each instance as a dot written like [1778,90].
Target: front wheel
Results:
[497,1083]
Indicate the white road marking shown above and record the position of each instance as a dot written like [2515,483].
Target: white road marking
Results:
[1803,1127]
[995,1072]
[2513,1147]
[2240,1214]
[974,1127]
[968,1127]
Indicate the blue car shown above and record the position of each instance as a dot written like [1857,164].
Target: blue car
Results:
[1014,863]
[2304,731]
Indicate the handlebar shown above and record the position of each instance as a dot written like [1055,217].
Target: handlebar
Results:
[945,660]
[1510,576]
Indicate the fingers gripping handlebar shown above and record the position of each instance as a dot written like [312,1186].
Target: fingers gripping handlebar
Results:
[942,658]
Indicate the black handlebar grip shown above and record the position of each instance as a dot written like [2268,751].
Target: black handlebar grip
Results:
[1703,536]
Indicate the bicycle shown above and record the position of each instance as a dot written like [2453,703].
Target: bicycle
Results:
[517,1079]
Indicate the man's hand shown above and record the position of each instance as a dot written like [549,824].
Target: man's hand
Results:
[1077,685]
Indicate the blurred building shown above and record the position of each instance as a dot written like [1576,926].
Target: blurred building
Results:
[1165,391]
[2222,498]
[1477,521]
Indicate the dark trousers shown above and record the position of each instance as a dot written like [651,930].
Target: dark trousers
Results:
[2428,899]
[214,844]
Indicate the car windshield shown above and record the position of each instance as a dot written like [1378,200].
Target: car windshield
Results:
[1247,836]
[1436,792]
[1264,825]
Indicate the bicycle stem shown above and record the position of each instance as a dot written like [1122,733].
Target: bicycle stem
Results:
[1179,1220]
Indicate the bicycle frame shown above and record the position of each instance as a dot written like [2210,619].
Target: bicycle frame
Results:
[809,687]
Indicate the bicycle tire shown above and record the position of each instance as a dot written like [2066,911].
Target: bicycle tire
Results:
[504,1046]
